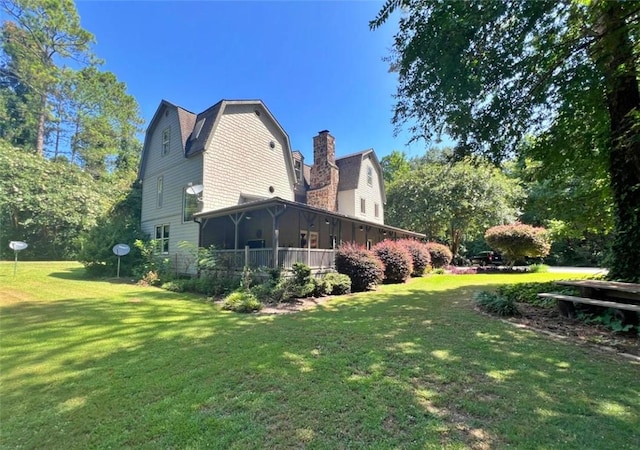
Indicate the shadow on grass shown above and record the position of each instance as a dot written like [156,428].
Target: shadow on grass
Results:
[394,368]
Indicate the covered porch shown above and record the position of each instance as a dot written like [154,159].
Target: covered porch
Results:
[277,233]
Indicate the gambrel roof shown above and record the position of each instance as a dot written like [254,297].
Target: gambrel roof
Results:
[196,130]
[350,166]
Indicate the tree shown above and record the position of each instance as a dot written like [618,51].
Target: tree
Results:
[394,165]
[489,72]
[103,119]
[47,203]
[518,241]
[39,34]
[451,201]
[120,224]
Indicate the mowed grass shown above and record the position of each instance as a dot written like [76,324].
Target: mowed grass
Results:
[105,364]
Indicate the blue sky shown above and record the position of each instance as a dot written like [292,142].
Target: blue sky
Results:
[316,65]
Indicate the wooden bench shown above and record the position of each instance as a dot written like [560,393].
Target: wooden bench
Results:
[566,306]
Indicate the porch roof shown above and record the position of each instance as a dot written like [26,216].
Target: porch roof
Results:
[277,201]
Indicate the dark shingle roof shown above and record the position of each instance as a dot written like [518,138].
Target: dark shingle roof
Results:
[197,144]
[350,170]
[187,120]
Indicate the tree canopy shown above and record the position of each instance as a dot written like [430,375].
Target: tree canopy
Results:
[451,201]
[68,136]
[490,72]
[52,109]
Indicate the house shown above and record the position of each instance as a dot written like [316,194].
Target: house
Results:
[228,177]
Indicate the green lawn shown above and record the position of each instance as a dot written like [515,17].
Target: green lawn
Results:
[98,364]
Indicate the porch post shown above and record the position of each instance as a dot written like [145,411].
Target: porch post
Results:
[275,216]
[236,220]
[310,218]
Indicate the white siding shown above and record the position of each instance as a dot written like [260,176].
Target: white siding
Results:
[349,201]
[240,160]
[177,171]
[371,193]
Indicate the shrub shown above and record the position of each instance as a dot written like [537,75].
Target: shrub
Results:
[528,293]
[420,256]
[302,283]
[211,284]
[151,262]
[150,278]
[263,292]
[360,265]
[174,286]
[321,287]
[396,260]
[496,304]
[518,241]
[440,254]
[538,268]
[339,283]
[241,301]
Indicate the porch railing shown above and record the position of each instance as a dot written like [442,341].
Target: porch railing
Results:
[263,257]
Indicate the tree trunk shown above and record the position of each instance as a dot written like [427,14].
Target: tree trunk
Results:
[41,126]
[614,55]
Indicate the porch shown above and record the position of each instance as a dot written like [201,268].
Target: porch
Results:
[317,259]
[278,233]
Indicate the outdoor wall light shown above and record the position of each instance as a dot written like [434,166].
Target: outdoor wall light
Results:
[361,228]
[326,221]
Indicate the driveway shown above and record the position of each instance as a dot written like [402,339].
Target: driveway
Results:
[583,270]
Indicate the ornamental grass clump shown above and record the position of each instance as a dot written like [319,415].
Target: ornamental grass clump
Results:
[241,301]
[440,254]
[420,256]
[396,260]
[360,265]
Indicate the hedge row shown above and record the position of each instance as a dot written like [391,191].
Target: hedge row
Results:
[388,261]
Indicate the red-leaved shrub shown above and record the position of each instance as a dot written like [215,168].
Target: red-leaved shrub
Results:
[518,241]
[420,255]
[360,264]
[441,256]
[396,259]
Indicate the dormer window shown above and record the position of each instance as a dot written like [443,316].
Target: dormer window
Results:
[297,167]
[166,140]
[198,128]
[370,176]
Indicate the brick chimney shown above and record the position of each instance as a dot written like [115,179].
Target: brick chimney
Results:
[323,189]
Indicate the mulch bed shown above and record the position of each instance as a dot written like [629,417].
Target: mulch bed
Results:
[549,321]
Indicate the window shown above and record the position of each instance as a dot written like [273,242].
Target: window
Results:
[363,206]
[370,176]
[297,167]
[162,238]
[189,206]
[160,193]
[376,210]
[166,140]
[198,128]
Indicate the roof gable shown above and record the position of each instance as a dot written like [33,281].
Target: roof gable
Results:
[350,167]
[186,120]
